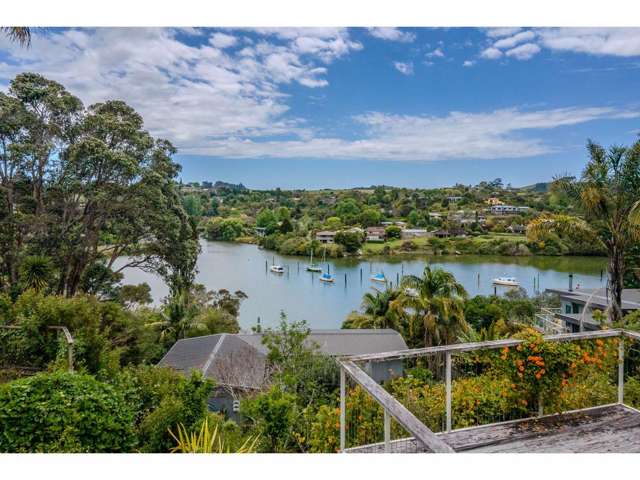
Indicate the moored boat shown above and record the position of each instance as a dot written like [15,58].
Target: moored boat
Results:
[277,268]
[379,277]
[506,281]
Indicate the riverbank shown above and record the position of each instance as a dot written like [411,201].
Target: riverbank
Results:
[238,266]
[485,244]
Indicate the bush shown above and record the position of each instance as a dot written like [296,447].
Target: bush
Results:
[105,333]
[64,412]
[161,399]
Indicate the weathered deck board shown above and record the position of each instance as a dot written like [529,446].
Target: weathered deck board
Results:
[605,429]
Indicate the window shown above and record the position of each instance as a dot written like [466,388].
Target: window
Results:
[236,406]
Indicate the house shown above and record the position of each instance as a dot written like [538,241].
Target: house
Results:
[452,232]
[325,236]
[493,201]
[375,234]
[238,362]
[408,233]
[577,306]
[454,199]
[260,231]
[508,210]
[516,228]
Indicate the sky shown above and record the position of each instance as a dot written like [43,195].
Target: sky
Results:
[346,107]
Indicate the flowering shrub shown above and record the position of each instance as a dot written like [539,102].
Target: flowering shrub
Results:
[551,370]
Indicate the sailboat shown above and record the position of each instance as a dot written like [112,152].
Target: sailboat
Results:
[313,267]
[326,277]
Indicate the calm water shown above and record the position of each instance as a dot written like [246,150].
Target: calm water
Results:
[302,296]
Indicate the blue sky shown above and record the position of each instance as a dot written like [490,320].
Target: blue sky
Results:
[336,107]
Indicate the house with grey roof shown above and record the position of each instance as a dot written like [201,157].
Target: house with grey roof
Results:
[238,362]
[577,306]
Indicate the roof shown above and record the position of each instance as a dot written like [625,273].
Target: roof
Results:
[240,359]
[325,233]
[598,297]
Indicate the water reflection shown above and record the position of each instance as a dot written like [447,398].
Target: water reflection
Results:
[325,305]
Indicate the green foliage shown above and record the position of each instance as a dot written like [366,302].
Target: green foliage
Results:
[351,241]
[105,333]
[393,231]
[272,415]
[207,439]
[227,229]
[84,186]
[161,399]
[64,412]
[267,219]
[370,217]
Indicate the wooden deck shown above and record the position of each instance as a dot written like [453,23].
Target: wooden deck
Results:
[607,429]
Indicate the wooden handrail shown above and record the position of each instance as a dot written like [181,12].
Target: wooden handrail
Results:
[67,336]
[490,344]
[398,411]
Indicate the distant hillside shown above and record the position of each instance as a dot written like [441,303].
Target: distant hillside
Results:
[541,187]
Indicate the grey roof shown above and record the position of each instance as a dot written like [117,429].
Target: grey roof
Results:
[240,359]
[344,342]
[599,298]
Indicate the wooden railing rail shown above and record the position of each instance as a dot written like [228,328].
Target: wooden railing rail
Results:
[65,332]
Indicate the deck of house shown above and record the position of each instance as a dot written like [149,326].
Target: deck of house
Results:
[607,429]
[610,428]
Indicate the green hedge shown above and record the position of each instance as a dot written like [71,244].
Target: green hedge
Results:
[64,412]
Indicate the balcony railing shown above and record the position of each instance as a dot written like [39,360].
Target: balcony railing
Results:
[548,321]
[404,426]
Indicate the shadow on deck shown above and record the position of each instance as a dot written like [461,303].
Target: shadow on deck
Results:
[605,429]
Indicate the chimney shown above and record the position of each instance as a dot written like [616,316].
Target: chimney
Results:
[571,282]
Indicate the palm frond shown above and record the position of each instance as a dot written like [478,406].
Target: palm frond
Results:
[19,35]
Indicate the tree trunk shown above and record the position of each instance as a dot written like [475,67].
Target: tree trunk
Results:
[616,273]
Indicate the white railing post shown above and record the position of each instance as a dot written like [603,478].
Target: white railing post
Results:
[343,407]
[387,431]
[621,369]
[448,380]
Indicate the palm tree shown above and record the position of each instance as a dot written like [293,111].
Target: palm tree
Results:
[377,311]
[435,303]
[20,35]
[608,196]
[36,272]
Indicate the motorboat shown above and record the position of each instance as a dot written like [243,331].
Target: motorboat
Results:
[379,277]
[277,268]
[506,281]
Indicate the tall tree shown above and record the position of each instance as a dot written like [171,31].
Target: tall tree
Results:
[435,304]
[86,187]
[608,196]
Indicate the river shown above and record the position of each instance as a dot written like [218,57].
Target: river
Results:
[301,296]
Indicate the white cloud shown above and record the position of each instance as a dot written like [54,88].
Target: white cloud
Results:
[222,40]
[406,68]
[523,52]
[502,31]
[620,42]
[392,34]
[458,135]
[469,63]
[510,42]
[435,53]
[491,53]
[188,94]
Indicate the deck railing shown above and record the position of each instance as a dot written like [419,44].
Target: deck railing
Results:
[68,339]
[547,321]
[353,369]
